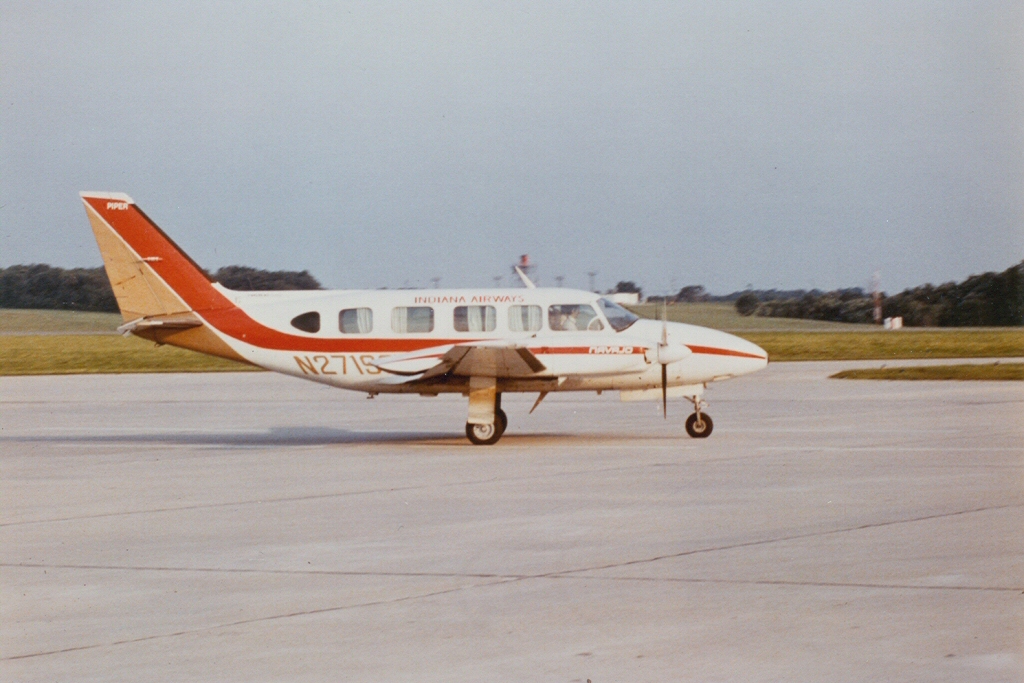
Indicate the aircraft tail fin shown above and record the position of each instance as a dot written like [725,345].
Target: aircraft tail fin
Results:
[158,288]
[150,274]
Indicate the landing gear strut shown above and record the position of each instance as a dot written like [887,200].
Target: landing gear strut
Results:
[699,425]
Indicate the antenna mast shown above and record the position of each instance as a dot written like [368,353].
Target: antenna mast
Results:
[525,268]
[876,296]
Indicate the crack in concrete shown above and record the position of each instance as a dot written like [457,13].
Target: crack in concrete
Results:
[243,622]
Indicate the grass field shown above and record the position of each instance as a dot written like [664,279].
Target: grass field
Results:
[948,343]
[55,354]
[30,320]
[989,371]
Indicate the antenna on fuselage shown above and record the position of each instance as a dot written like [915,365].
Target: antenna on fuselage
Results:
[526,281]
[522,269]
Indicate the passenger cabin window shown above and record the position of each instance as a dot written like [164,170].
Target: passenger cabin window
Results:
[307,322]
[475,318]
[524,318]
[356,321]
[412,319]
[573,318]
[618,317]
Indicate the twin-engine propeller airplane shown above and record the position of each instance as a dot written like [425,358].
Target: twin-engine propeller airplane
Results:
[479,343]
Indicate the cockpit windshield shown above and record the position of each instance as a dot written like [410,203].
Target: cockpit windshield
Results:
[618,317]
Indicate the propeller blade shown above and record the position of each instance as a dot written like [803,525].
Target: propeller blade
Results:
[664,390]
[664,322]
[664,365]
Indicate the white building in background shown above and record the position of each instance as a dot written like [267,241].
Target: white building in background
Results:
[626,298]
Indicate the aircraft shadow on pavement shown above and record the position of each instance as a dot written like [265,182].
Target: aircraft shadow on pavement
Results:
[275,436]
[321,436]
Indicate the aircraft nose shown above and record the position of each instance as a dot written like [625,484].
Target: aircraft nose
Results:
[749,356]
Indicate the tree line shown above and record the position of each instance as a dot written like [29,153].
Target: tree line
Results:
[989,299]
[986,300]
[88,289]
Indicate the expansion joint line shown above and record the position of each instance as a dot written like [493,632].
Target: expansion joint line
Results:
[781,539]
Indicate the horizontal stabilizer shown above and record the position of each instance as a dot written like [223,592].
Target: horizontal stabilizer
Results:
[174,321]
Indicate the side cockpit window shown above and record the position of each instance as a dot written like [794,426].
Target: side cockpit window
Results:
[618,317]
[573,318]
[307,322]
[412,319]
[355,321]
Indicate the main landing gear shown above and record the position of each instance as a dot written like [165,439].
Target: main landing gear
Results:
[487,421]
[487,434]
[699,425]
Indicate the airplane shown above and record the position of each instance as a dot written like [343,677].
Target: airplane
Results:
[480,343]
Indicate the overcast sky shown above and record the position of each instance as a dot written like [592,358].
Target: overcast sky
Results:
[795,144]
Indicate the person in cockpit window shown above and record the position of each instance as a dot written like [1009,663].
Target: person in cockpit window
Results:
[570,322]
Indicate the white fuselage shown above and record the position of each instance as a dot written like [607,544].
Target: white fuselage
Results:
[379,327]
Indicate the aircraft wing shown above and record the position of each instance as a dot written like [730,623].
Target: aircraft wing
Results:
[497,358]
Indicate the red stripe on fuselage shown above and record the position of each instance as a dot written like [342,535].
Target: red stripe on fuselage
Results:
[584,350]
[715,351]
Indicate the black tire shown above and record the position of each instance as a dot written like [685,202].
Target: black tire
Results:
[483,435]
[701,431]
[502,420]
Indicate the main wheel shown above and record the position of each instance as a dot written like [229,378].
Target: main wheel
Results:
[483,435]
[699,429]
[501,419]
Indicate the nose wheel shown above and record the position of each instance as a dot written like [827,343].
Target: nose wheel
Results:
[699,425]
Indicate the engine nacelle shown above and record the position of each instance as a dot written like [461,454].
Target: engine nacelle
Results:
[667,353]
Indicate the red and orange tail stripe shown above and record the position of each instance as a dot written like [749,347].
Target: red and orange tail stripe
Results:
[157,250]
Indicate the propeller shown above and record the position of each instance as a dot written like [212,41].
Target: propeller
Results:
[668,353]
[662,348]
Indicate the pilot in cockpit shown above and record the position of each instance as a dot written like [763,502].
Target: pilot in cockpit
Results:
[570,320]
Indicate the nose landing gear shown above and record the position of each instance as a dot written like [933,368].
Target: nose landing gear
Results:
[699,425]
